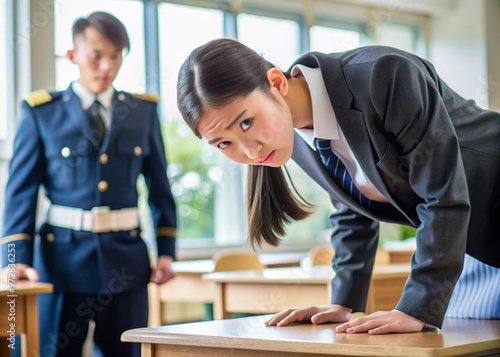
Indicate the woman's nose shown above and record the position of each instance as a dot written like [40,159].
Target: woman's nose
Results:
[252,150]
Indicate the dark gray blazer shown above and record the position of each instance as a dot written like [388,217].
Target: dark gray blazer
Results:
[434,155]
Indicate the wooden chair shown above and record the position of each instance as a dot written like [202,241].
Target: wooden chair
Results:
[319,255]
[235,260]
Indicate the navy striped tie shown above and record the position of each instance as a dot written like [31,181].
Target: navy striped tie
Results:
[340,174]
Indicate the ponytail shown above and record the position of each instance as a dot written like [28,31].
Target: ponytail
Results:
[271,205]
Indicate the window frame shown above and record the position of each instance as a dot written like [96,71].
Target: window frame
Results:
[10,101]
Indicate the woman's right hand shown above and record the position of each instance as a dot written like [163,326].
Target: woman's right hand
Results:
[315,314]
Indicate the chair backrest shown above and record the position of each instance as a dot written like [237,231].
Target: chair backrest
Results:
[321,255]
[234,260]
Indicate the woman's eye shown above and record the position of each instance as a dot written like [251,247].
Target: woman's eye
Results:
[223,144]
[245,124]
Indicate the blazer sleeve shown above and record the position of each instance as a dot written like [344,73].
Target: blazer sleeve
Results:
[161,201]
[354,240]
[407,100]
[21,193]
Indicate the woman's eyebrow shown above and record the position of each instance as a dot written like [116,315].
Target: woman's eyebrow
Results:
[235,120]
[229,126]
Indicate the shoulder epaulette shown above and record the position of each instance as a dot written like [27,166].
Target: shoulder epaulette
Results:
[145,96]
[38,97]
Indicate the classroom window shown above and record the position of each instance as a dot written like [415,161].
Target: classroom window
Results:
[329,39]
[129,12]
[401,36]
[209,190]
[265,35]
[195,169]
[4,127]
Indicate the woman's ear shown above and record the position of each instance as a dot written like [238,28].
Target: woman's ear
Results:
[278,81]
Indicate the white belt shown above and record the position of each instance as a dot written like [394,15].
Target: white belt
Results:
[97,220]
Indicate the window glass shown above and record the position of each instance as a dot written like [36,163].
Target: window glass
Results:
[3,72]
[129,12]
[194,169]
[329,39]
[397,35]
[265,35]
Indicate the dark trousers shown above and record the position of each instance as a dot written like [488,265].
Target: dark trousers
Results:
[64,322]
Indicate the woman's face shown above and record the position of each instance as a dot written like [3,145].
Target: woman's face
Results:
[254,130]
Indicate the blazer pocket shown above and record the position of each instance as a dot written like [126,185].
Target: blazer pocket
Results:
[68,164]
[132,156]
[61,165]
[52,235]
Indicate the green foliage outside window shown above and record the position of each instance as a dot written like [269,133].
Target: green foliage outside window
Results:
[189,164]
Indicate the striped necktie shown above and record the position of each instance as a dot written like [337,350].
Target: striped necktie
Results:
[96,122]
[340,174]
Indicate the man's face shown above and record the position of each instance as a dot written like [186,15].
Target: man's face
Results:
[97,59]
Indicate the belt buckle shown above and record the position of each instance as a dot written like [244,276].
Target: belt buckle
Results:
[101,219]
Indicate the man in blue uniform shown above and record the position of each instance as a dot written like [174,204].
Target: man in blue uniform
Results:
[87,146]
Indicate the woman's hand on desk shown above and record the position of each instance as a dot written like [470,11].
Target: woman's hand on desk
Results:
[316,314]
[382,322]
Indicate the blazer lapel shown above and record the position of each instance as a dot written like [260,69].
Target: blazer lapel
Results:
[354,128]
[120,111]
[310,161]
[77,115]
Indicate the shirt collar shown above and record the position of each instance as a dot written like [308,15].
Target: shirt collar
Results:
[324,120]
[87,98]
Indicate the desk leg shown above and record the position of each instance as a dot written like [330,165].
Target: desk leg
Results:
[220,311]
[154,303]
[147,350]
[4,348]
[32,328]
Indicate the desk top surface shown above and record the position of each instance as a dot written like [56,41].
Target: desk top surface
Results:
[458,337]
[318,274]
[203,266]
[24,287]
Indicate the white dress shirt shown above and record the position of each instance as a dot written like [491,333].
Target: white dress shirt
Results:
[325,126]
[87,98]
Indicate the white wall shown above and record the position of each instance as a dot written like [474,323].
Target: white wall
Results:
[458,49]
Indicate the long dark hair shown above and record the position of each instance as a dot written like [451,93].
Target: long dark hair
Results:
[214,75]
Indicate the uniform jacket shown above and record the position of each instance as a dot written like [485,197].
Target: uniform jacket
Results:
[54,149]
[434,155]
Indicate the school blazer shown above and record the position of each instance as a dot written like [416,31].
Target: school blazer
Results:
[53,149]
[434,155]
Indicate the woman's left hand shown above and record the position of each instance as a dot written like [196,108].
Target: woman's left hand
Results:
[382,322]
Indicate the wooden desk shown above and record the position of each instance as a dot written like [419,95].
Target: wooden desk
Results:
[273,290]
[400,251]
[249,337]
[188,285]
[22,305]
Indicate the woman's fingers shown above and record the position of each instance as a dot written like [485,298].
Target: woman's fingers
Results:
[382,322]
[315,314]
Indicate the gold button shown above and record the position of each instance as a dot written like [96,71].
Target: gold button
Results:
[102,186]
[50,237]
[137,151]
[66,151]
[133,233]
[103,159]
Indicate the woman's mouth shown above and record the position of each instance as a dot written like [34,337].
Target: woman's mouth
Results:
[268,159]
